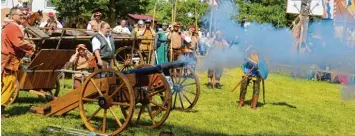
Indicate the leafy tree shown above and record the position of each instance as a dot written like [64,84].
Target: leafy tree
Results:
[265,11]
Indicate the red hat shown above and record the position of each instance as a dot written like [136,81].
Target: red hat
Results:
[50,14]
[97,14]
[81,46]
[194,27]
[176,24]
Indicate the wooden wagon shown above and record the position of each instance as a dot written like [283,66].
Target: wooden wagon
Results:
[52,52]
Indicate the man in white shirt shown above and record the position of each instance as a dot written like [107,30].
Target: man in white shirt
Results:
[122,28]
[51,18]
[103,46]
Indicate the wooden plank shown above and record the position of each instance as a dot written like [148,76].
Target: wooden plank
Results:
[38,32]
[70,100]
[50,59]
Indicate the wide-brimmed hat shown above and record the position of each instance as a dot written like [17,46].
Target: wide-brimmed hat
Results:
[165,24]
[83,46]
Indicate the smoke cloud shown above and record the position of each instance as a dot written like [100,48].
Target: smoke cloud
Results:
[276,46]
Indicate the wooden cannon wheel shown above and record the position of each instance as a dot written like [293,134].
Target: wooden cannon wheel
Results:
[123,58]
[186,86]
[153,101]
[98,106]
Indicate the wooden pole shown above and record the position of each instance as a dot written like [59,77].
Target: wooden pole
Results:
[175,5]
[155,7]
[211,18]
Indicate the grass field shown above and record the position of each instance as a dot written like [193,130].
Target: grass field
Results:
[293,107]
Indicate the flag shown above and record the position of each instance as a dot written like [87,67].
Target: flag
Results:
[213,2]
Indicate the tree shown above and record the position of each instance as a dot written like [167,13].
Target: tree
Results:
[265,11]
[163,10]
[84,8]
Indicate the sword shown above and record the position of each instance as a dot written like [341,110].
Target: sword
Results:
[247,75]
[262,80]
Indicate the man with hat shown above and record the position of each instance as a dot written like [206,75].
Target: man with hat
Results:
[80,61]
[162,44]
[175,36]
[51,18]
[103,46]
[250,71]
[218,45]
[146,46]
[190,44]
[95,22]
[13,48]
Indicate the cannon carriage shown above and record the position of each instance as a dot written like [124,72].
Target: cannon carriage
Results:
[142,94]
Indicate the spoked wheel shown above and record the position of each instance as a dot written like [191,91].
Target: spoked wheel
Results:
[14,96]
[52,93]
[186,88]
[101,100]
[153,97]
[124,60]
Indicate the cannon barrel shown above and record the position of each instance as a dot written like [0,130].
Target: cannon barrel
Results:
[155,69]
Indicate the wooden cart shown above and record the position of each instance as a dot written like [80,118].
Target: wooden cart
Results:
[110,100]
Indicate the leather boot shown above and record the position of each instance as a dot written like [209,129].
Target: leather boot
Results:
[254,102]
[241,102]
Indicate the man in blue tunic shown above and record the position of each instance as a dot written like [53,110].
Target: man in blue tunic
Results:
[162,44]
[251,63]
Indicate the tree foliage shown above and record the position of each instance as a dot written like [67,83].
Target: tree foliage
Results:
[265,11]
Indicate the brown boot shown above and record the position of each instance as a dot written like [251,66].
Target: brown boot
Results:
[241,102]
[254,102]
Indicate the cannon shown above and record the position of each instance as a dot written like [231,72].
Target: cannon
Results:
[110,100]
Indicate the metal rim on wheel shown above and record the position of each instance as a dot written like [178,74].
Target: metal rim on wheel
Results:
[98,106]
[186,88]
[123,58]
[153,102]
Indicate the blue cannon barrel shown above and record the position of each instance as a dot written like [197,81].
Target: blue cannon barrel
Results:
[156,69]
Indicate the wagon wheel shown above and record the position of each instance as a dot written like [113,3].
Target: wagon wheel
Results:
[186,88]
[153,102]
[15,94]
[53,92]
[123,58]
[98,106]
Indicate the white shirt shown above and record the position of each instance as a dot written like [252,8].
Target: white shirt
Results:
[96,44]
[43,24]
[120,29]
[88,27]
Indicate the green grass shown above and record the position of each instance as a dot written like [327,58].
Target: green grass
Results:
[293,107]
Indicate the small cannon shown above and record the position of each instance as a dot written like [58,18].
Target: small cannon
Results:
[110,100]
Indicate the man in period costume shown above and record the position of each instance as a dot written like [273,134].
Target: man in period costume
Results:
[80,61]
[218,45]
[146,46]
[190,45]
[162,44]
[103,46]
[95,22]
[251,63]
[139,30]
[175,36]
[13,48]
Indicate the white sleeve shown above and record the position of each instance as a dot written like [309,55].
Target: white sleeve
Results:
[187,39]
[43,24]
[89,26]
[116,29]
[59,25]
[95,44]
